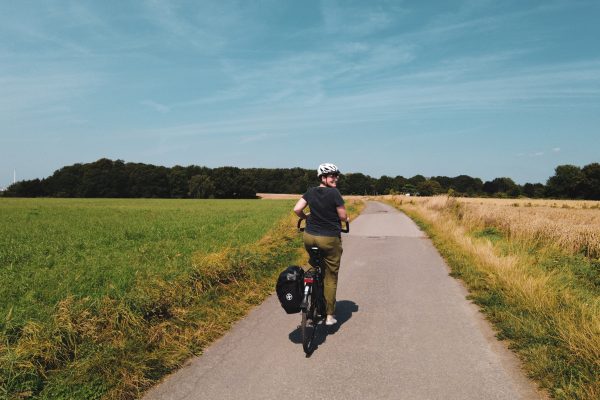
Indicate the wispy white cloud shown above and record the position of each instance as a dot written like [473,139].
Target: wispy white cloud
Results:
[342,18]
[260,137]
[47,92]
[540,153]
[34,36]
[230,127]
[447,87]
[357,74]
[476,17]
[309,76]
[531,154]
[161,108]
[386,74]
[207,28]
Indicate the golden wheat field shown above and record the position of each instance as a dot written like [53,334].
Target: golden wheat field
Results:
[570,225]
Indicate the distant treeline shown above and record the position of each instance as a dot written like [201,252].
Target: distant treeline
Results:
[107,178]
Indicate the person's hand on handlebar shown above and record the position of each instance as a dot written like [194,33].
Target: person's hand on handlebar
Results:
[341,212]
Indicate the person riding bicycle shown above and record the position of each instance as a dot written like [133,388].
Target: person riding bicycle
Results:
[323,228]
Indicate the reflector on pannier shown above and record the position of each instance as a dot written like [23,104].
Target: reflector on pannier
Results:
[289,288]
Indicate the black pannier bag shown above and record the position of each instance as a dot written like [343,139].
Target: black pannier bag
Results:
[290,285]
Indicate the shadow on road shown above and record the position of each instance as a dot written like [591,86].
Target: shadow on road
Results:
[344,310]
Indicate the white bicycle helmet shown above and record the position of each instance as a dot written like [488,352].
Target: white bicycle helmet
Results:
[326,169]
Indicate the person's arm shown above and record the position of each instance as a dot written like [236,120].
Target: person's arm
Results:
[341,212]
[299,208]
[340,207]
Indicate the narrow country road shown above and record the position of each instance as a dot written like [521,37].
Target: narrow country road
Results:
[405,331]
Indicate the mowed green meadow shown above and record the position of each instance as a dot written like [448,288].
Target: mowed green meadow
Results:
[54,248]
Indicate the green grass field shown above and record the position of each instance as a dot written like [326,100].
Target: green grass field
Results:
[52,248]
[99,298]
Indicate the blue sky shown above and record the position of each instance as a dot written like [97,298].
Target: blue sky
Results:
[484,88]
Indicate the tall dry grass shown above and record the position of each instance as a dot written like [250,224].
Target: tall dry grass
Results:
[572,226]
[502,250]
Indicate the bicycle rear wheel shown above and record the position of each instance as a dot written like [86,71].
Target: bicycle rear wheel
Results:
[308,327]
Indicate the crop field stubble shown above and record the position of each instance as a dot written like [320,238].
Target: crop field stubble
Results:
[534,268]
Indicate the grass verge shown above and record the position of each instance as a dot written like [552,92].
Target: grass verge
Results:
[543,300]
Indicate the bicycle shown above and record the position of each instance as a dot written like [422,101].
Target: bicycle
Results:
[313,306]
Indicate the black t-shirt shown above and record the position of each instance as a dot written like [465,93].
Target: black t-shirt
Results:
[323,219]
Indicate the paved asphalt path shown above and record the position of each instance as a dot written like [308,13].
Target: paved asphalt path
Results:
[405,331]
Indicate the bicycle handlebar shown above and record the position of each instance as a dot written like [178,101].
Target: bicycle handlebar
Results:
[301,229]
[347,230]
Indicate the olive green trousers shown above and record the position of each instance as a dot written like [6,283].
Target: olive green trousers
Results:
[332,255]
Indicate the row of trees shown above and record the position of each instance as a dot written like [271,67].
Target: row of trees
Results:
[107,178]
